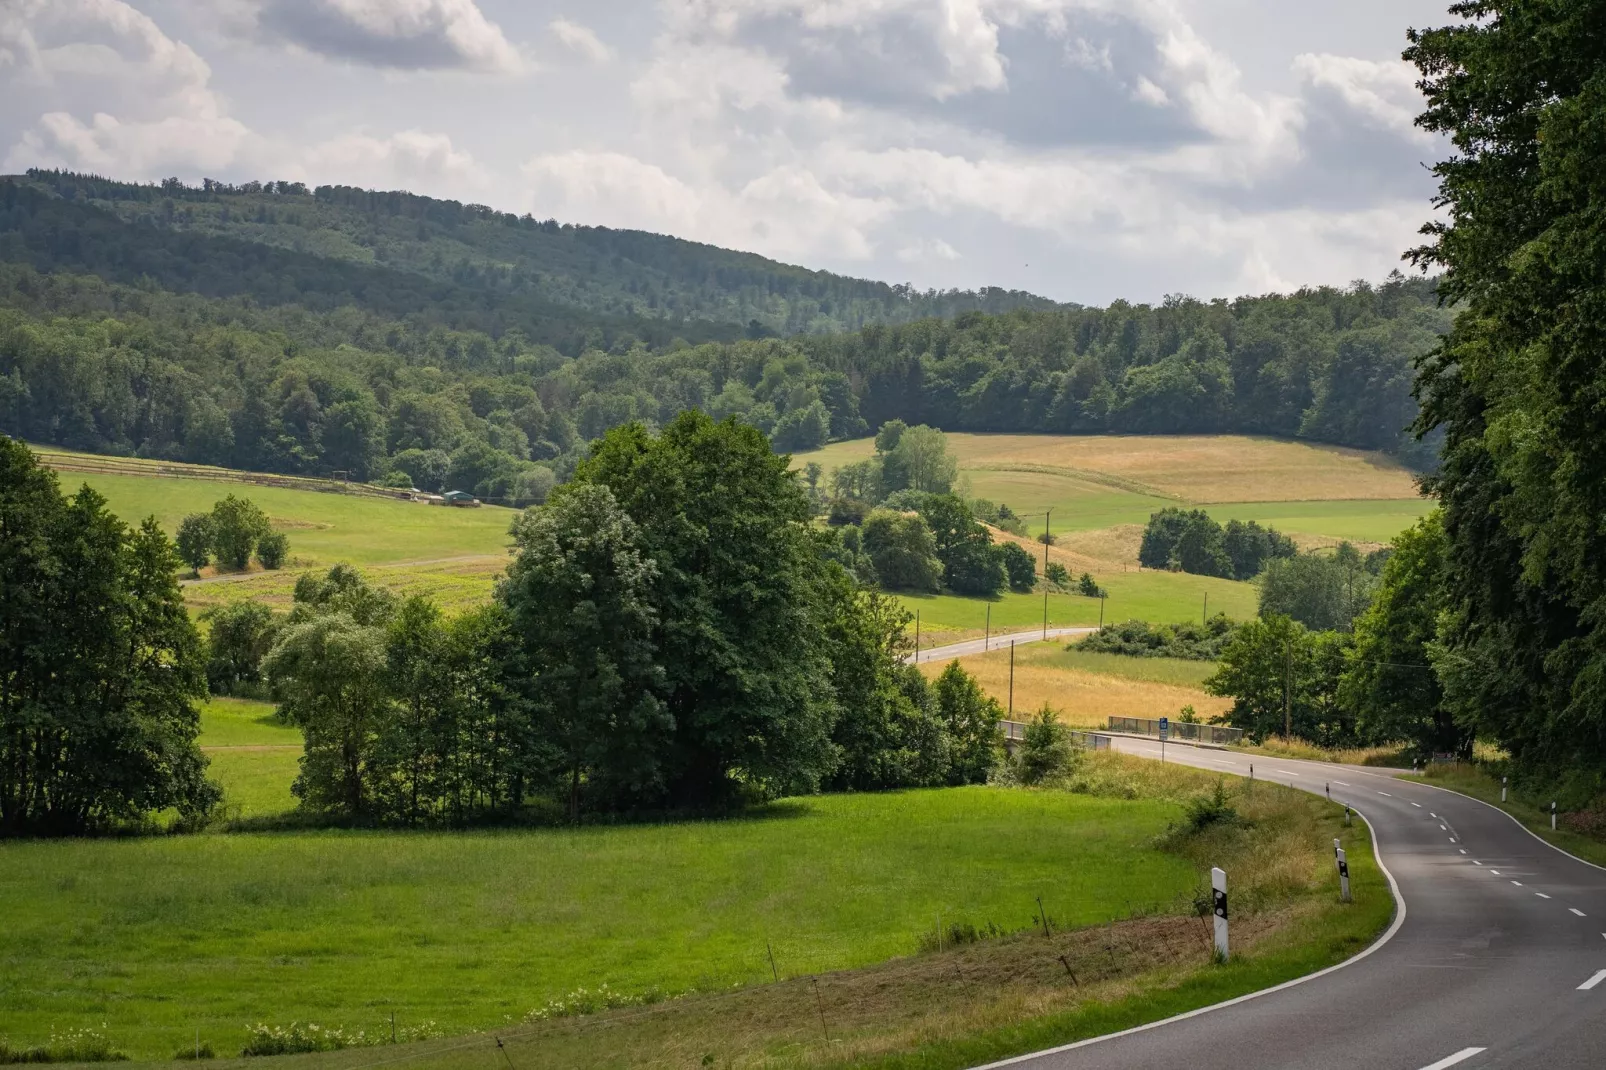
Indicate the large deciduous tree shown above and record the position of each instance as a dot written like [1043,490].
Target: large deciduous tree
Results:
[1518,386]
[100,665]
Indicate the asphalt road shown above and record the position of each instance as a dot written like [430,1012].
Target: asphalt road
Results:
[996,642]
[1497,957]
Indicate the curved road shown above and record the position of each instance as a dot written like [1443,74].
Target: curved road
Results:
[1497,959]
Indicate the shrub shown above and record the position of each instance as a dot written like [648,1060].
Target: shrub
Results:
[272,549]
[198,1051]
[846,511]
[1046,752]
[298,1038]
[590,1001]
[1136,638]
[1057,574]
[1209,811]
[1089,587]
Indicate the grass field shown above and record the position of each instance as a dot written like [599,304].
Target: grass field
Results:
[1088,688]
[1095,482]
[167,940]
[160,937]
[323,527]
[254,756]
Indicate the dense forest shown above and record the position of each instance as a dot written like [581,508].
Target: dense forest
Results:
[129,333]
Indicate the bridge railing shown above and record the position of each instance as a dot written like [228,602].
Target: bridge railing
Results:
[1015,731]
[1182,731]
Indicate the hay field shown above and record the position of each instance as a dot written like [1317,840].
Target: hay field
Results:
[1098,482]
[1087,689]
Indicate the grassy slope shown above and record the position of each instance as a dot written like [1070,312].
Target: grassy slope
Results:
[323,528]
[1088,688]
[158,937]
[254,756]
[1099,481]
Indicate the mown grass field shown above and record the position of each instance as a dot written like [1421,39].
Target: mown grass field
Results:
[1088,688]
[164,939]
[160,937]
[1093,482]
[254,756]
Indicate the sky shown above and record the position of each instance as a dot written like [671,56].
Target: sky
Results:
[1086,150]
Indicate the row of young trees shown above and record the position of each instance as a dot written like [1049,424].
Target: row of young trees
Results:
[232,531]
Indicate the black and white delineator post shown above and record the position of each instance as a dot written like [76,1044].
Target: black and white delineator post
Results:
[1502,789]
[1552,815]
[1343,875]
[1218,890]
[1346,815]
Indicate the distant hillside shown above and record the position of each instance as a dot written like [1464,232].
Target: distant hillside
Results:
[616,274]
[149,321]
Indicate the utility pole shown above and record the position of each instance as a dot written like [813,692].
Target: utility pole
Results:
[1046,537]
[1102,597]
[917,637]
[1204,618]
[1045,615]
[1288,679]
[987,631]
[1012,679]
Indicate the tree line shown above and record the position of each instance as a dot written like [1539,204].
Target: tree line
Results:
[131,337]
[673,634]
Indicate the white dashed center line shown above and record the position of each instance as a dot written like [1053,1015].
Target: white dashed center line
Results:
[1385,793]
[1580,913]
[1542,895]
[1517,883]
[1600,975]
[1417,805]
[1451,1060]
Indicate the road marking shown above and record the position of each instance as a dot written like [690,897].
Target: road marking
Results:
[1600,975]
[1341,784]
[1450,1060]
[1285,772]
[1496,872]
[1417,805]
[1385,793]
[1517,883]
[1542,895]
[1477,863]
[1444,828]
[1463,850]
[1452,839]
[1580,913]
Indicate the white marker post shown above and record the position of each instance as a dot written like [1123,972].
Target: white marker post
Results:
[1218,888]
[1552,815]
[1502,789]
[1343,876]
[1346,815]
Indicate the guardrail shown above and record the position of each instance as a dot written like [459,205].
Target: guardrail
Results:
[1182,731]
[1015,731]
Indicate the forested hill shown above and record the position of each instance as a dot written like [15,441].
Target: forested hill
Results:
[614,274]
[127,335]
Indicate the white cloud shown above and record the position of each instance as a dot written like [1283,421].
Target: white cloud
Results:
[400,34]
[1384,93]
[410,159]
[150,104]
[580,40]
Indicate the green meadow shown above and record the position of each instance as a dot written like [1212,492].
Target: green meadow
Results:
[324,528]
[1167,597]
[161,937]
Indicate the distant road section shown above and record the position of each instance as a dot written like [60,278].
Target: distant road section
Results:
[996,642]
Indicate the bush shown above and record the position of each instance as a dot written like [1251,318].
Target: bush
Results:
[198,1051]
[298,1038]
[273,549]
[1019,566]
[1088,587]
[1046,752]
[1210,811]
[1057,574]
[846,511]
[1136,638]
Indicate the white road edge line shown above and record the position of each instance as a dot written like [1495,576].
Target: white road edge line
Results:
[1450,1060]
[1514,821]
[1600,975]
[1285,772]
[1580,913]
[1388,934]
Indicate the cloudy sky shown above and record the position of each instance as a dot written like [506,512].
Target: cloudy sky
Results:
[1082,149]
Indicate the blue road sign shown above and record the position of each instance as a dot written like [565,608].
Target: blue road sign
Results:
[1165,727]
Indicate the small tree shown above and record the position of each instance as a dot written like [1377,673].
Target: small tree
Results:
[194,541]
[237,524]
[972,717]
[1088,586]
[1057,574]
[1020,566]
[273,549]
[1046,752]
[241,635]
